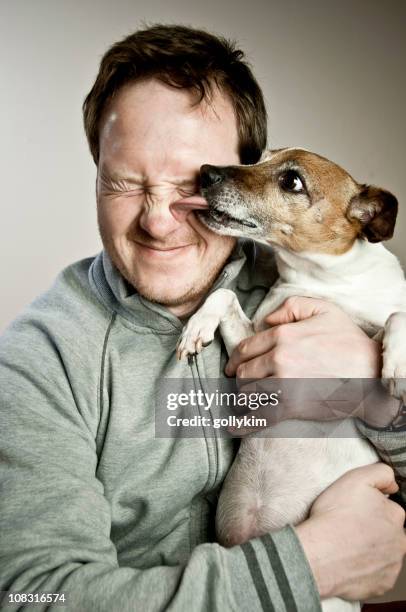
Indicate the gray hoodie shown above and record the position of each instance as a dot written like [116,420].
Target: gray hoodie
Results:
[92,504]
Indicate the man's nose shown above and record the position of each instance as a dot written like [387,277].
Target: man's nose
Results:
[158,221]
[211,175]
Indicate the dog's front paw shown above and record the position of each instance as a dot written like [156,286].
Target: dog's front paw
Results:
[197,333]
[394,358]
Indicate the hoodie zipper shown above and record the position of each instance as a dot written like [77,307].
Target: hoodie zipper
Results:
[211,438]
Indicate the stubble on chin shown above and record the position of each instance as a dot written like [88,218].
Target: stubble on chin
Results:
[191,295]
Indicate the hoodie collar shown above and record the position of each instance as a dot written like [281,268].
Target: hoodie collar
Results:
[241,270]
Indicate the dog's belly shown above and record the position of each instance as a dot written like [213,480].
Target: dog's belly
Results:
[274,480]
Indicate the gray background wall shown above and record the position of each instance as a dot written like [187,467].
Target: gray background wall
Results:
[333,73]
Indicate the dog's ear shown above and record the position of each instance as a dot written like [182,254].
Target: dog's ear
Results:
[376,211]
[266,155]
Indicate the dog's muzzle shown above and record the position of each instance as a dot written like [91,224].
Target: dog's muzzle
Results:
[226,210]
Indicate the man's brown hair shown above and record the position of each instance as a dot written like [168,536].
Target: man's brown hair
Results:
[184,58]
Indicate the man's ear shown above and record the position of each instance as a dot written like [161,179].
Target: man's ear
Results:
[376,211]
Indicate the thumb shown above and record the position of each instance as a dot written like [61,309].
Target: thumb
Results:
[381,476]
[297,308]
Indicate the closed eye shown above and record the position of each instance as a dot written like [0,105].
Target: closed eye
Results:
[188,192]
[116,191]
[110,186]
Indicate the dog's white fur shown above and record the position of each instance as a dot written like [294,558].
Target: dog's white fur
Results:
[275,479]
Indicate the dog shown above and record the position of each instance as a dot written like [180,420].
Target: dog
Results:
[326,231]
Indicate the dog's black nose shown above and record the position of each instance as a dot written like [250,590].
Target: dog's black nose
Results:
[210,175]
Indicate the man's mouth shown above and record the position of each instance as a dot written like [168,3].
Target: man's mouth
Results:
[155,251]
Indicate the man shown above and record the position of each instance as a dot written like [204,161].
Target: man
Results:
[93,505]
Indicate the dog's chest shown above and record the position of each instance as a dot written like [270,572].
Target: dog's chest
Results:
[369,308]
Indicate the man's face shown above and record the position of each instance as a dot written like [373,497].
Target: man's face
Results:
[152,144]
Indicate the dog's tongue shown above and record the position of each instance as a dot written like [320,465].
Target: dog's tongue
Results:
[192,202]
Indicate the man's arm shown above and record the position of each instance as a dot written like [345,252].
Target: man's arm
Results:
[353,520]
[391,447]
[55,521]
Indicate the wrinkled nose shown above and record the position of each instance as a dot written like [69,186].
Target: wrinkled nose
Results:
[158,221]
[211,175]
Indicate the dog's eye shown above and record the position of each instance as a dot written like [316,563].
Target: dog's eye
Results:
[291,181]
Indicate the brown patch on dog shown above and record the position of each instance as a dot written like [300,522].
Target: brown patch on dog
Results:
[326,216]
[376,210]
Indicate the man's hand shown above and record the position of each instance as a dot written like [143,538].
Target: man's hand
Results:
[354,538]
[309,338]
[312,338]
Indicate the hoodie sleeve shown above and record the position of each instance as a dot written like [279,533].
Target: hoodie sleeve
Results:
[391,447]
[55,521]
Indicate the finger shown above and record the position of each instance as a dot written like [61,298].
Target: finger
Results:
[381,476]
[385,481]
[297,308]
[260,343]
[259,367]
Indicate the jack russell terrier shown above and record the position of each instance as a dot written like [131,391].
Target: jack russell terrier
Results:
[326,230]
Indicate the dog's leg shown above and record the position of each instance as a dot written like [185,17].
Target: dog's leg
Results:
[394,360]
[235,325]
[223,309]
